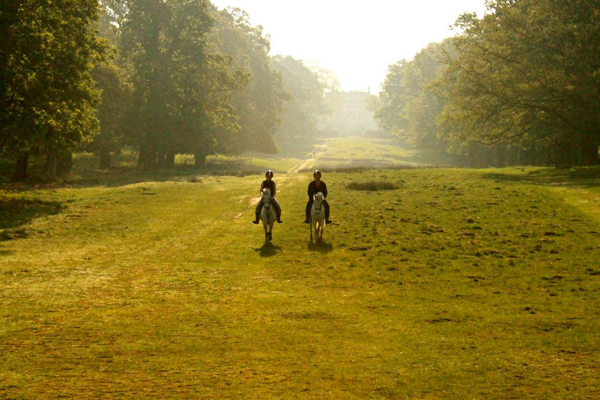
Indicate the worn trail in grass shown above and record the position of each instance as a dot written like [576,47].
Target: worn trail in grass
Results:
[479,284]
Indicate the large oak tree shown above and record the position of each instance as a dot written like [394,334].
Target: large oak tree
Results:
[47,95]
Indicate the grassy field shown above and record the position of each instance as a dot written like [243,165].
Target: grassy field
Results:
[357,152]
[458,284]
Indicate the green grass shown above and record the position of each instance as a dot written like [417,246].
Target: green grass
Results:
[124,169]
[458,284]
[255,163]
[363,152]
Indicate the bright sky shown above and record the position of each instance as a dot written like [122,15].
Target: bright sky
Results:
[355,39]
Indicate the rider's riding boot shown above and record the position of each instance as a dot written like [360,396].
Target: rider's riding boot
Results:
[306,221]
[279,219]
[328,221]
[256,220]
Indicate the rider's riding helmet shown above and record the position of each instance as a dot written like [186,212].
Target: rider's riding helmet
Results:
[317,172]
[269,173]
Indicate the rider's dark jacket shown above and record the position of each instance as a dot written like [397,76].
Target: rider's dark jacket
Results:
[269,185]
[312,189]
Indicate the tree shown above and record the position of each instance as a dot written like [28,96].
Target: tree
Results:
[528,72]
[260,104]
[111,79]
[111,111]
[327,77]
[47,95]
[306,91]
[181,89]
[408,107]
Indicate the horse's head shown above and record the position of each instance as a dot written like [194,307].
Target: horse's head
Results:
[318,199]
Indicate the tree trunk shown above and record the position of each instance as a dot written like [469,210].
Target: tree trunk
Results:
[147,157]
[170,163]
[50,168]
[161,157]
[199,159]
[105,160]
[20,173]
[501,151]
[588,153]
[562,154]
[64,163]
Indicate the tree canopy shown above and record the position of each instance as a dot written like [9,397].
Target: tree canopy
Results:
[306,91]
[523,79]
[47,95]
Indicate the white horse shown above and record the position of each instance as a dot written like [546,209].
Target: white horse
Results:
[268,216]
[317,217]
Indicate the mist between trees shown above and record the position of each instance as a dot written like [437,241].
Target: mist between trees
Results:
[519,86]
[158,77]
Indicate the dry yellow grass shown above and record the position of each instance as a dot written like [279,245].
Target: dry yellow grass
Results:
[458,284]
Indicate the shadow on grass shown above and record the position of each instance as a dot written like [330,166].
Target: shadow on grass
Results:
[5,252]
[584,177]
[268,250]
[17,212]
[320,247]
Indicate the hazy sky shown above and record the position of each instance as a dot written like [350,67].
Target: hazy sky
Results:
[355,39]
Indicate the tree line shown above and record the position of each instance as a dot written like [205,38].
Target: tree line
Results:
[161,77]
[519,86]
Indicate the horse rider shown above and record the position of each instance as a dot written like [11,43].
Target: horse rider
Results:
[268,184]
[315,187]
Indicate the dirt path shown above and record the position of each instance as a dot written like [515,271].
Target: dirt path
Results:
[310,162]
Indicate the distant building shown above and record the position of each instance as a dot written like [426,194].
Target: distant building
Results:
[349,114]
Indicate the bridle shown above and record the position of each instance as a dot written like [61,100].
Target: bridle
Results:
[318,209]
[267,206]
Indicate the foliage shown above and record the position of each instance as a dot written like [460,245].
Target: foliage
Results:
[47,95]
[259,105]
[528,72]
[519,86]
[408,109]
[306,90]
[181,88]
[165,77]
[327,77]
[111,81]
[111,78]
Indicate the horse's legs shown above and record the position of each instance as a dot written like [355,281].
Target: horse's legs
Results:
[320,231]
[266,234]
